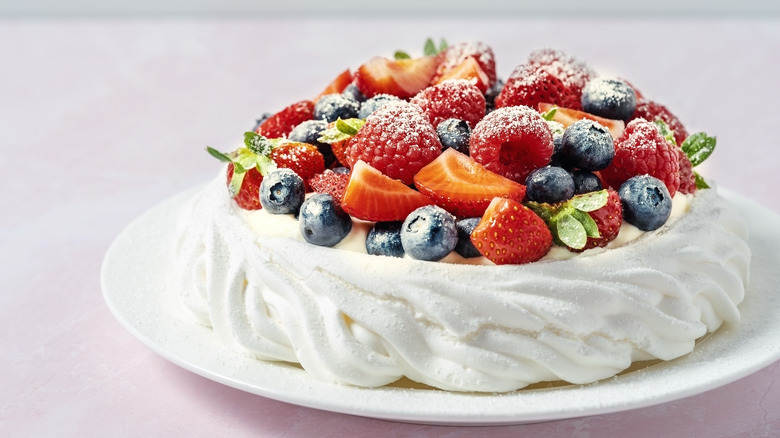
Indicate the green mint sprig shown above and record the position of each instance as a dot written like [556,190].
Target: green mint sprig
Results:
[697,147]
[429,49]
[569,221]
[341,130]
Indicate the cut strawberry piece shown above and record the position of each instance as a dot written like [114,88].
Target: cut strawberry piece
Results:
[373,196]
[399,77]
[567,116]
[454,56]
[337,85]
[462,186]
[281,123]
[511,233]
[468,70]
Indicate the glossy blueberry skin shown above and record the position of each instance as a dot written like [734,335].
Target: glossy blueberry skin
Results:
[646,202]
[384,238]
[609,98]
[465,247]
[585,182]
[586,145]
[550,185]
[282,192]
[429,233]
[332,107]
[308,132]
[369,106]
[491,94]
[322,221]
[455,134]
[352,92]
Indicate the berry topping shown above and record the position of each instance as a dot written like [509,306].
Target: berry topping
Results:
[456,56]
[339,84]
[384,238]
[567,116]
[470,71]
[647,203]
[322,221]
[512,142]
[643,150]
[332,182]
[582,220]
[310,132]
[451,99]
[608,219]
[282,192]
[400,77]
[339,134]
[585,182]
[550,185]
[529,85]
[429,233]
[397,140]
[352,92]
[610,98]
[455,134]
[332,107]
[369,106]
[305,159]
[281,123]
[465,247]
[586,145]
[462,186]
[372,196]
[248,194]
[652,111]
[511,233]
[570,70]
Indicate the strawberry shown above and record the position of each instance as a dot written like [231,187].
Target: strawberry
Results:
[397,140]
[372,196]
[468,70]
[330,182]
[399,77]
[511,233]
[608,219]
[454,57]
[281,123]
[512,142]
[652,111]
[248,195]
[567,116]
[643,150]
[338,84]
[457,99]
[462,186]
[303,158]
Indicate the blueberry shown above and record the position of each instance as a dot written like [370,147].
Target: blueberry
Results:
[369,106]
[332,107]
[465,247]
[557,130]
[259,121]
[429,233]
[646,202]
[610,98]
[550,185]
[352,92]
[491,94]
[586,145]
[322,221]
[384,238]
[455,134]
[585,182]
[282,192]
[308,132]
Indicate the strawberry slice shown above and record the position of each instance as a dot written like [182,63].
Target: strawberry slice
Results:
[400,77]
[469,70]
[337,85]
[567,116]
[462,186]
[373,196]
[281,123]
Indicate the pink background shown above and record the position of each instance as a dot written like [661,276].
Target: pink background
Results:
[102,119]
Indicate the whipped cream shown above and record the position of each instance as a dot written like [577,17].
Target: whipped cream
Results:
[364,320]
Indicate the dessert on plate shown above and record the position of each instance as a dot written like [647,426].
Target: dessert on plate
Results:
[423,219]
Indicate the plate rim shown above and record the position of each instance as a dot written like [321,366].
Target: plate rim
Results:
[130,299]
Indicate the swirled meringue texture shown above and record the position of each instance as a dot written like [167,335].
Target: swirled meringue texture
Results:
[358,319]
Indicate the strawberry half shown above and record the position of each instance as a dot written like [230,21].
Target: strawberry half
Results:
[338,84]
[373,196]
[511,233]
[399,77]
[455,56]
[281,123]
[462,186]
[567,116]
[468,70]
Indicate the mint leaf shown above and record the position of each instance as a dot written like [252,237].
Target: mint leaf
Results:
[698,147]
[700,182]
[430,48]
[399,54]
[342,130]
[667,133]
[571,232]
[590,226]
[257,143]
[218,155]
[237,180]
[443,45]
[590,201]
[550,114]
[265,165]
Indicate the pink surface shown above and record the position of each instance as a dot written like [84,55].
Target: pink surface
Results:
[101,120]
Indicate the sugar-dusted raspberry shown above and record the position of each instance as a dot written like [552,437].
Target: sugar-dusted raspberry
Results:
[573,72]
[458,99]
[512,142]
[687,176]
[398,140]
[456,54]
[531,85]
[652,111]
[643,150]
[330,182]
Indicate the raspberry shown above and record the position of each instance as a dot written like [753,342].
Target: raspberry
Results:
[512,142]
[643,150]
[687,177]
[457,99]
[530,85]
[456,54]
[570,70]
[331,183]
[397,140]
[649,110]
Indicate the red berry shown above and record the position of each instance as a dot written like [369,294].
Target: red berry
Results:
[248,196]
[510,233]
[372,196]
[687,177]
[457,99]
[338,84]
[331,183]
[470,71]
[567,116]
[643,150]
[303,158]
[281,123]
[462,186]
[608,218]
[652,111]
[453,56]
[399,77]
[512,142]
[397,140]
[529,85]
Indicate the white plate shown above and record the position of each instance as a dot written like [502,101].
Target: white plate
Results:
[136,282]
